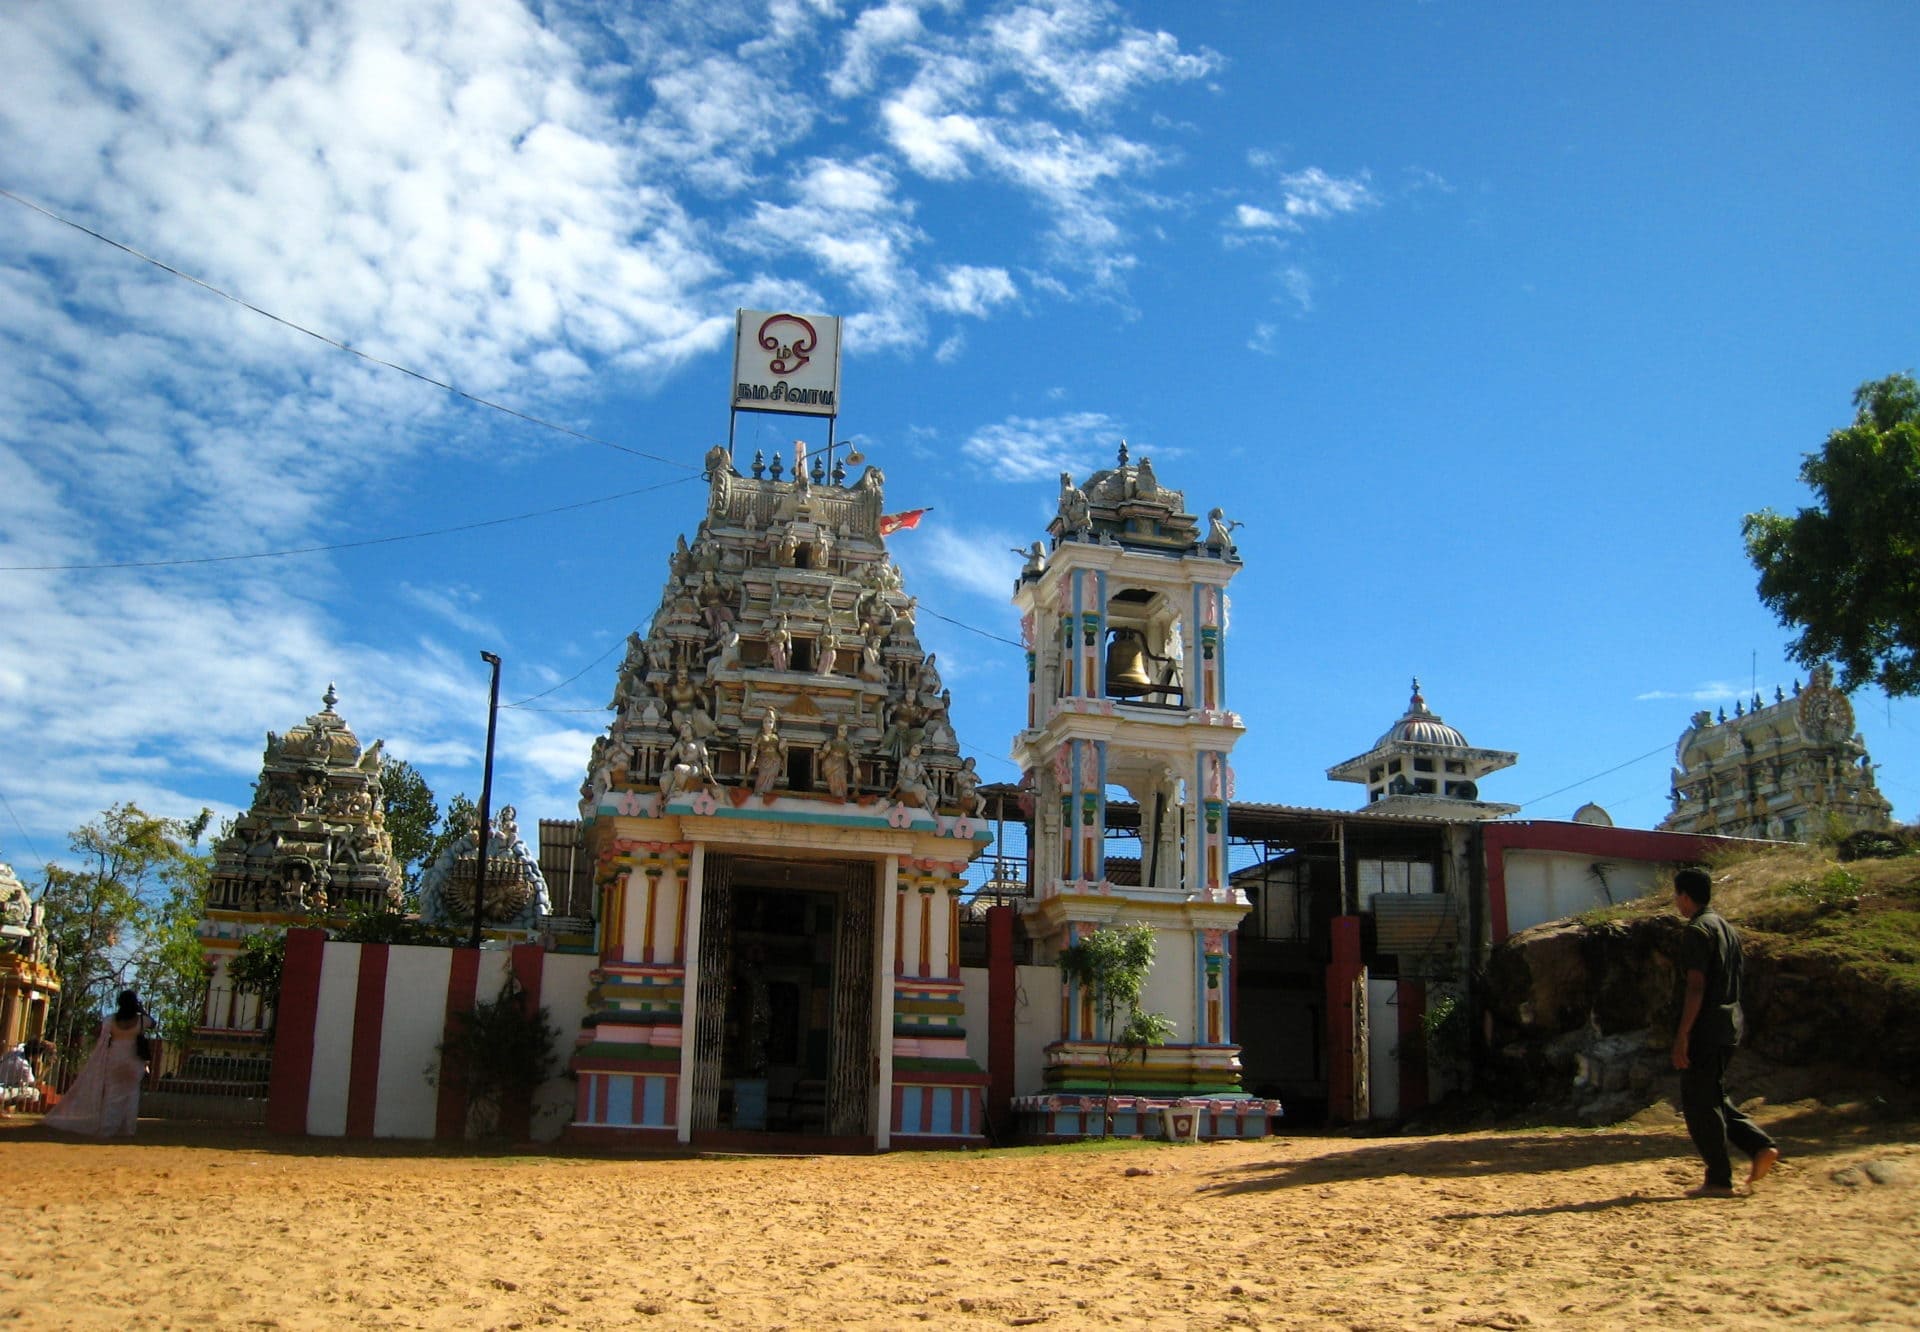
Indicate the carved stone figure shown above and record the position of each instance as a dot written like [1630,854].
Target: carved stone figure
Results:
[966,790]
[687,767]
[836,763]
[1074,513]
[769,755]
[779,645]
[829,646]
[1219,530]
[910,780]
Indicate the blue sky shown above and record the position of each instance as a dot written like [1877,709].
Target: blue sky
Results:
[1488,322]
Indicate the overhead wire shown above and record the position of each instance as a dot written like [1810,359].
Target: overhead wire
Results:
[442,384]
[343,545]
[1658,749]
[413,536]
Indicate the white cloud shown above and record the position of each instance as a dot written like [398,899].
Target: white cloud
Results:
[965,289]
[1065,48]
[1315,194]
[1713,691]
[951,347]
[455,606]
[1025,448]
[1260,219]
[982,563]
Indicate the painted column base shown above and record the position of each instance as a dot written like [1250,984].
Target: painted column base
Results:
[1078,1115]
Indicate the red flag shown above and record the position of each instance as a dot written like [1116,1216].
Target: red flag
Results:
[901,522]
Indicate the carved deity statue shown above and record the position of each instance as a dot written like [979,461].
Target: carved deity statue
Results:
[687,767]
[768,759]
[836,764]
[966,790]
[910,779]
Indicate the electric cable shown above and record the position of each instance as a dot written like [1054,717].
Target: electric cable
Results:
[342,545]
[339,345]
[1660,749]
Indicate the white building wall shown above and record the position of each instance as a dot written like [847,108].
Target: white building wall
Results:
[1552,885]
[1383,1047]
[1171,985]
[1036,1024]
[333,1040]
[412,1029]
[563,993]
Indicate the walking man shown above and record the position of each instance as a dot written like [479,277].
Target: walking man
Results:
[1703,1044]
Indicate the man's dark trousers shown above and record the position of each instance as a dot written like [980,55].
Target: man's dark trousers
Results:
[1713,1120]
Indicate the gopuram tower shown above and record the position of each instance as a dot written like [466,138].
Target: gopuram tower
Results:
[1125,623]
[779,817]
[313,841]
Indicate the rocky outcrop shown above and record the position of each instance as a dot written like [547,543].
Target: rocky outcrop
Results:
[1581,1016]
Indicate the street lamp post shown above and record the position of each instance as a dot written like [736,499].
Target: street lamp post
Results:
[486,800]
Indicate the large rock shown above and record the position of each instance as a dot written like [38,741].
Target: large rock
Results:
[1588,1011]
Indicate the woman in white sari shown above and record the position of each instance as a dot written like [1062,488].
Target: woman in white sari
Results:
[104,1101]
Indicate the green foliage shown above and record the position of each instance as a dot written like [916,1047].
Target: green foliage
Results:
[1112,965]
[259,965]
[382,923]
[1835,888]
[1445,1028]
[408,804]
[499,1048]
[124,918]
[1846,572]
[460,819]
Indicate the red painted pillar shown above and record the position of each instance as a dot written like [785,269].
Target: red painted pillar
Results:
[1001,992]
[296,1015]
[516,1113]
[369,1019]
[1342,971]
[1413,1046]
[450,1104]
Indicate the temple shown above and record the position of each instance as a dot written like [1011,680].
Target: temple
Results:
[780,818]
[313,842]
[1124,616]
[1424,766]
[29,976]
[1792,769]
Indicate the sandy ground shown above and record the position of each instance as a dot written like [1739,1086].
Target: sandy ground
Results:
[197,1227]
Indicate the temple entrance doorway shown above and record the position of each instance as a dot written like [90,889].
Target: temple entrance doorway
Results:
[784,1020]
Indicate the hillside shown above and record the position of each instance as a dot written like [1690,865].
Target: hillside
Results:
[1579,1013]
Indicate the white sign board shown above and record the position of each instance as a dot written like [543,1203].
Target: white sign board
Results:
[786,362]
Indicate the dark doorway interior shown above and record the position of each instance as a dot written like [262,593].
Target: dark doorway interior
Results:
[784,1041]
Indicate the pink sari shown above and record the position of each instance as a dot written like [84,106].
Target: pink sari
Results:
[104,1101]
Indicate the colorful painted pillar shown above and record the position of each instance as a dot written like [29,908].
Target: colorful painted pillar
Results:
[938,1091]
[627,1058]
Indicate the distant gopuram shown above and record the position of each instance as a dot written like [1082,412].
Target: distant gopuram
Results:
[1793,769]
[314,840]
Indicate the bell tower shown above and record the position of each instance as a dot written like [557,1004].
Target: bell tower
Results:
[1124,618]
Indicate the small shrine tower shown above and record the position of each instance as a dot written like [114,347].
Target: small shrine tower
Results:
[1124,620]
[313,841]
[1424,766]
[29,975]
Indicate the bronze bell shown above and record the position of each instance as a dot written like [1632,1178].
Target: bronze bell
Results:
[1127,665]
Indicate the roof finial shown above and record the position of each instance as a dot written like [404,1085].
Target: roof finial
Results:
[1123,453]
[330,697]
[1417,704]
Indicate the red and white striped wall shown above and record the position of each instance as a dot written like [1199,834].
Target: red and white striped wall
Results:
[359,1028]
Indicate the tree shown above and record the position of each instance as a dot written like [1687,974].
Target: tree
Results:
[407,802]
[125,918]
[1846,573]
[458,822]
[1112,966]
